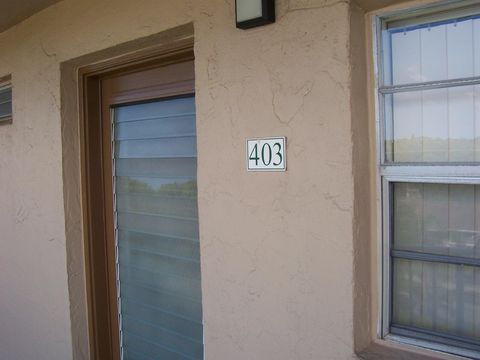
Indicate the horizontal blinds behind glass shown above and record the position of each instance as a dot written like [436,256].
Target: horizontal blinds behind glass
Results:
[157,230]
[5,103]
[441,125]
[429,293]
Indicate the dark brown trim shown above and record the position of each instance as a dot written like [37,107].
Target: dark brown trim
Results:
[96,225]
[164,71]
[6,78]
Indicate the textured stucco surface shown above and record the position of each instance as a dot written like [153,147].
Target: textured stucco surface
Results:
[277,248]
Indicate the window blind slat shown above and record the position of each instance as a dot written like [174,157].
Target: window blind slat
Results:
[183,186]
[148,148]
[181,326]
[148,348]
[147,129]
[156,167]
[172,265]
[156,243]
[181,207]
[155,224]
[156,334]
[130,354]
[171,302]
[156,109]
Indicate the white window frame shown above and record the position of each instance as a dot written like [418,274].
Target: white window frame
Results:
[423,172]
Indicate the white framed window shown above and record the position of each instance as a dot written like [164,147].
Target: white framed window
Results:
[428,109]
[5,100]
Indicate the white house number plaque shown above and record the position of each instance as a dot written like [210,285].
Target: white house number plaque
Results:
[266,154]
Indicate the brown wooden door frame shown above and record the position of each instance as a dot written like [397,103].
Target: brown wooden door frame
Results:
[165,73]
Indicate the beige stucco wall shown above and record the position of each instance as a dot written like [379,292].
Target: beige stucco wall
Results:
[277,248]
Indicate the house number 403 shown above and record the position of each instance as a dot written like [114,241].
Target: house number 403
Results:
[266,154]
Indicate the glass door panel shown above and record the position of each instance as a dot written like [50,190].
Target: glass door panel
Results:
[158,255]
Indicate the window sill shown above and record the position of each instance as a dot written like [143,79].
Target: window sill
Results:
[395,350]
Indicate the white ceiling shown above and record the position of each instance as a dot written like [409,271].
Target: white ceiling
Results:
[14,11]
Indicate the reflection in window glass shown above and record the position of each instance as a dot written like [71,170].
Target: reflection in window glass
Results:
[157,230]
[437,125]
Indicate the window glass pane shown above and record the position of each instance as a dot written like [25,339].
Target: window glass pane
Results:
[441,298]
[406,59]
[153,128]
[157,230]
[169,110]
[433,51]
[5,95]
[5,103]
[6,110]
[476,47]
[433,266]
[438,125]
[437,219]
